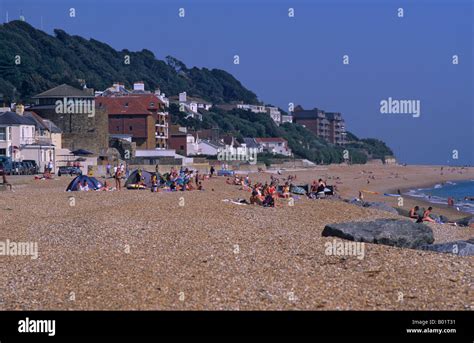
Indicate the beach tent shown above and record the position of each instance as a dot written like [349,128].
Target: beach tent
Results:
[92,182]
[134,179]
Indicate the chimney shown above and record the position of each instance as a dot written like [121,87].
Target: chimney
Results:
[20,109]
[116,86]
[139,86]
[157,91]
[182,97]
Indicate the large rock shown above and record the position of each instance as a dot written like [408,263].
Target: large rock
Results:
[400,233]
[461,248]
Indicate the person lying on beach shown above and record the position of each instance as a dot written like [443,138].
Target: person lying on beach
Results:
[426,215]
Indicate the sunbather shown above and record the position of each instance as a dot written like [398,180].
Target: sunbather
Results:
[426,215]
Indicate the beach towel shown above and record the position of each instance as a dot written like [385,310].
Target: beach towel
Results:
[370,192]
[391,195]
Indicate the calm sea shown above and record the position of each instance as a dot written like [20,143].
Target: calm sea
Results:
[439,194]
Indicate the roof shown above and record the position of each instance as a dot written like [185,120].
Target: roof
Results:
[39,122]
[12,118]
[251,143]
[212,144]
[270,140]
[51,126]
[62,91]
[305,114]
[129,105]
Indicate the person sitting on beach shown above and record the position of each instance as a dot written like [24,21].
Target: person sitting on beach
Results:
[199,186]
[228,181]
[414,212]
[84,187]
[173,186]
[321,186]
[286,191]
[269,201]
[254,198]
[426,215]
[154,183]
[314,187]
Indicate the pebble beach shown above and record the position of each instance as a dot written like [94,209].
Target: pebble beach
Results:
[137,250]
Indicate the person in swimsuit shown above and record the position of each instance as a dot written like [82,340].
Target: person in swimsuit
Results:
[414,212]
[426,215]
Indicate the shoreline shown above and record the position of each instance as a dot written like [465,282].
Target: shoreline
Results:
[427,203]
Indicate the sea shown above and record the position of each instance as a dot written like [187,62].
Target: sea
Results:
[439,193]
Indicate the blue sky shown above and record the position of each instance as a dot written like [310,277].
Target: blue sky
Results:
[299,59]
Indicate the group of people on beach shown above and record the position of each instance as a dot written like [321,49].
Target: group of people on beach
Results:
[266,194]
[421,215]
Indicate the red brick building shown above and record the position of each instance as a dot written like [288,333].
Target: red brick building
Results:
[141,116]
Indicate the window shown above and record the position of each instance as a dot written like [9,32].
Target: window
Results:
[126,104]
[131,128]
[3,133]
[3,152]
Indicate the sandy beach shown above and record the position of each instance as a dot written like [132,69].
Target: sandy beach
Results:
[132,250]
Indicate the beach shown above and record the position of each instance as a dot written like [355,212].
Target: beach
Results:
[137,250]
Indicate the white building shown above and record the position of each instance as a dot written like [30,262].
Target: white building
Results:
[192,105]
[275,145]
[286,119]
[275,114]
[21,138]
[252,108]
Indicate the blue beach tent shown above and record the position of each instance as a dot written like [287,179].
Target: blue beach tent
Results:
[92,182]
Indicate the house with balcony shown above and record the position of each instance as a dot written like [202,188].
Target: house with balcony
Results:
[137,113]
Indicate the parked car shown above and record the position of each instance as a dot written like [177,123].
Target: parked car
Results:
[18,168]
[28,168]
[33,166]
[69,170]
